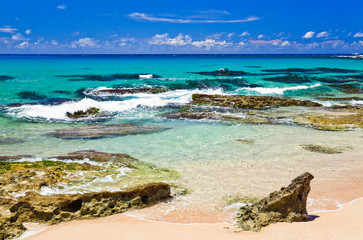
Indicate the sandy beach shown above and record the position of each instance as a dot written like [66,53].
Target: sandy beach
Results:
[346,223]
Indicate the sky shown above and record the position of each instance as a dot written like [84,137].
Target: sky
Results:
[175,26]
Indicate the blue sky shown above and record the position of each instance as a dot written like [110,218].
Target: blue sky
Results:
[111,26]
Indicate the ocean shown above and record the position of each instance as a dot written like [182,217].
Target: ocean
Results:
[37,91]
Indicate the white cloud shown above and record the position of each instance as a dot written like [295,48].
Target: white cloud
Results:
[285,44]
[8,29]
[322,34]
[17,37]
[23,45]
[358,34]
[85,42]
[54,42]
[244,34]
[209,43]
[361,43]
[260,36]
[28,31]
[241,44]
[231,35]
[62,7]
[309,34]
[163,39]
[151,18]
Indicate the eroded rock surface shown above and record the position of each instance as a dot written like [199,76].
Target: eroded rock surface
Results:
[286,205]
[102,131]
[63,207]
[255,102]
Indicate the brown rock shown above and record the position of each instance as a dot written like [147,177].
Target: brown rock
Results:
[286,205]
[255,102]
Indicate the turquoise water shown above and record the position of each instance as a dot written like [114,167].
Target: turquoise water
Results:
[36,92]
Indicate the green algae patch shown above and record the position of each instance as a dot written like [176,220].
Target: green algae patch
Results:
[321,149]
[246,141]
[93,111]
[238,198]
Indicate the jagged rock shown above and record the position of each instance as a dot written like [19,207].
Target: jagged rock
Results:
[9,229]
[102,131]
[90,112]
[286,205]
[64,207]
[256,102]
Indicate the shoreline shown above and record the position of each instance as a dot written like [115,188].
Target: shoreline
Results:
[323,226]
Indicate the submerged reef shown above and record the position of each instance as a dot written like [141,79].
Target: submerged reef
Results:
[5,77]
[31,95]
[222,72]
[321,149]
[103,131]
[318,70]
[44,190]
[291,78]
[286,205]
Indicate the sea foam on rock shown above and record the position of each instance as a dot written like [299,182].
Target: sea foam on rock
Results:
[286,205]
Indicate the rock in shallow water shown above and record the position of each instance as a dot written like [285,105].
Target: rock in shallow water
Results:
[102,131]
[286,205]
[255,102]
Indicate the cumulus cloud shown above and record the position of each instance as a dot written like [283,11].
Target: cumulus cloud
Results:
[358,34]
[209,43]
[85,42]
[23,45]
[164,39]
[18,37]
[62,7]
[322,34]
[309,34]
[28,31]
[54,42]
[244,34]
[285,44]
[151,18]
[8,29]
[260,36]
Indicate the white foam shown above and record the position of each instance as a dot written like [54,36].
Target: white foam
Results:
[356,102]
[146,76]
[58,112]
[277,90]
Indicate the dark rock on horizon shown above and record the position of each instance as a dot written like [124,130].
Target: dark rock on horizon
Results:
[286,205]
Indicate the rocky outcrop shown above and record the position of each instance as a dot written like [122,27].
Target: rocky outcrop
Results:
[222,72]
[103,131]
[251,102]
[64,207]
[90,112]
[24,183]
[286,205]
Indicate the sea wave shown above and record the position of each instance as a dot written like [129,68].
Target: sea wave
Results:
[58,112]
[276,90]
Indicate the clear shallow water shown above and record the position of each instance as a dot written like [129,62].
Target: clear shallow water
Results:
[187,145]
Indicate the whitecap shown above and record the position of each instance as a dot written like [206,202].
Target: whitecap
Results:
[58,112]
[277,90]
